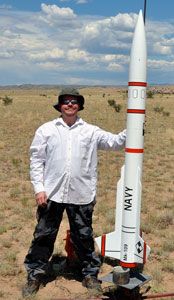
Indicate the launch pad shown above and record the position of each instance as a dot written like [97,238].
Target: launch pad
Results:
[136,280]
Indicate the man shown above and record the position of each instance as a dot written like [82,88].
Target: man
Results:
[64,173]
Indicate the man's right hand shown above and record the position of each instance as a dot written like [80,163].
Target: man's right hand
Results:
[41,199]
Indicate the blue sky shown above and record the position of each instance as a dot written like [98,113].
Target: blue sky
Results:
[82,41]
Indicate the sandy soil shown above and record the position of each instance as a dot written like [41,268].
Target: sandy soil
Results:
[66,282]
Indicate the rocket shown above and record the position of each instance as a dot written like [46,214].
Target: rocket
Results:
[125,242]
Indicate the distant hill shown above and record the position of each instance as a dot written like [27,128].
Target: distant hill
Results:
[52,86]
[60,86]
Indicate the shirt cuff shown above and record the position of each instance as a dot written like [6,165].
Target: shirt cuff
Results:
[38,188]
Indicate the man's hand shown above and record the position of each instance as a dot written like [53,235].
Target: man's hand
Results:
[41,199]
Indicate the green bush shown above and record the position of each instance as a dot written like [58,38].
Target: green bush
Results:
[149,94]
[111,103]
[116,106]
[7,100]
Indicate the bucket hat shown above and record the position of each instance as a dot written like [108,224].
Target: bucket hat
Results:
[70,92]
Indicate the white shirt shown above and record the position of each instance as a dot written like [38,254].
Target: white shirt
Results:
[64,159]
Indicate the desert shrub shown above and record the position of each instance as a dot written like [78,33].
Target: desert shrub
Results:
[7,100]
[3,229]
[157,274]
[113,104]
[158,109]
[117,107]
[168,246]
[166,113]
[149,94]
[163,220]
[16,162]
[168,266]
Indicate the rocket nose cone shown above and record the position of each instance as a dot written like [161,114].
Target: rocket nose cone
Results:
[140,13]
[137,69]
[140,19]
[140,16]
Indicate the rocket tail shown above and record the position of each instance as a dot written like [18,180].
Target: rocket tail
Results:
[110,244]
[141,253]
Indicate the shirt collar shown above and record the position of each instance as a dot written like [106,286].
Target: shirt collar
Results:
[60,121]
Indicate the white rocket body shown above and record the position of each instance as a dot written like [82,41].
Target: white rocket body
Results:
[125,243]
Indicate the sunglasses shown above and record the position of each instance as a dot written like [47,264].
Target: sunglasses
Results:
[67,101]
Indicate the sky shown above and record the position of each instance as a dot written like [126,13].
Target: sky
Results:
[82,42]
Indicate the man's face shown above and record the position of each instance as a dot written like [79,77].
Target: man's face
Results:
[69,105]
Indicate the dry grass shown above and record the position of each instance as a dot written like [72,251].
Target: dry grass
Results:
[31,108]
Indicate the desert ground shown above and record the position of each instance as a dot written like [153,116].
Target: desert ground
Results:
[20,117]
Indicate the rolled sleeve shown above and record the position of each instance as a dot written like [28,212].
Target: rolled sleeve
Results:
[110,141]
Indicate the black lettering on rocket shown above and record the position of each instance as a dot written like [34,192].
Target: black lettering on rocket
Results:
[128,199]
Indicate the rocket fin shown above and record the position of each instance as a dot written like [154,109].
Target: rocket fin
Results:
[142,251]
[110,244]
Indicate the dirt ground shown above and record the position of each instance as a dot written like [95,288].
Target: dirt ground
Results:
[65,283]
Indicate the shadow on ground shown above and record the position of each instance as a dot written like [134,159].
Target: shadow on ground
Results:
[60,266]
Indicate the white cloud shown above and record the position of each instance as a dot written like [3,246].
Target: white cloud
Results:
[109,34]
[160,37]
[161,65]
[78,55]
[53,54]
[91,30]
[160,48]
[50,66]
[115,58]
[82,80]
[53,11]
[121,23]
[54,15]
[7,33]
[6,54]
[113,66]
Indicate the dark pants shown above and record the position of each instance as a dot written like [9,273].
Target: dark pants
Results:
[81,232]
